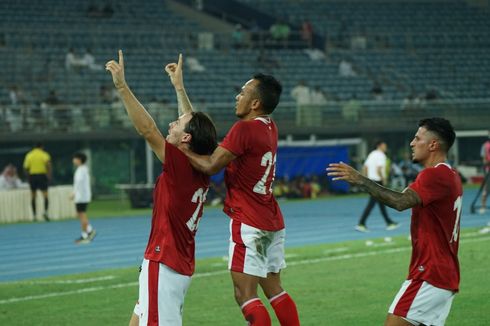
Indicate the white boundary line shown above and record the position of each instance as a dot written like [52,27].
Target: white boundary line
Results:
[199,275]
[78,281]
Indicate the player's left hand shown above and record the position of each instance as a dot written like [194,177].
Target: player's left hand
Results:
[342,171]
[117,71]
[174,71]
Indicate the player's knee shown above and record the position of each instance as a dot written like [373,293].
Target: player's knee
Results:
[243,294]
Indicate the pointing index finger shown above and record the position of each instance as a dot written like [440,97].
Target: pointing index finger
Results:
[179,63]
[121,58]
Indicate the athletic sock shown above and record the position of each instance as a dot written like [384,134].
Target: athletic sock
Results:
[89,228]
[255,313]
[285,309]
[33,205]
[46,204]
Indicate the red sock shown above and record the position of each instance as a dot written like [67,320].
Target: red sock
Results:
[285,309]
[255,313]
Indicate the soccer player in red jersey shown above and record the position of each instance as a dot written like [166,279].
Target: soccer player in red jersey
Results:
[436,200]
[178,196]
[256,252]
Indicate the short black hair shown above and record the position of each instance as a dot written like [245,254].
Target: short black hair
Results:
[442,128]
[203,132]
[39,144]
[269,91]
[378,142]
[81,156]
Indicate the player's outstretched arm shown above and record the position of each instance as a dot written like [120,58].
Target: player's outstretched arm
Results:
[141,119]
[210,164]
[395,199]
[174,71]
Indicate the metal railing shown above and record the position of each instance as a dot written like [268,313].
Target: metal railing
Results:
[334,118]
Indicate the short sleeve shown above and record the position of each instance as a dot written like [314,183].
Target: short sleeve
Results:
[236,141]
[430,185]
[48,157]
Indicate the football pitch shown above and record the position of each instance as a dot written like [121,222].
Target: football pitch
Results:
[342,282]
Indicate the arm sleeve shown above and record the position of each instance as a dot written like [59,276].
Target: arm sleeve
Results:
[431,185]
[236,141]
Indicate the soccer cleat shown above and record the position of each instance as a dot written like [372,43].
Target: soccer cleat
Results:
[481,210]
[392,226]
[92,235]
[46,217]
[82,240]
[361,228]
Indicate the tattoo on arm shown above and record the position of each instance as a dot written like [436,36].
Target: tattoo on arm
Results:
[395,199]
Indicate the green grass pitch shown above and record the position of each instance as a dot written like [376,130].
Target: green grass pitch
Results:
[341,284]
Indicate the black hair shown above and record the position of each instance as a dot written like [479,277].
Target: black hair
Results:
[39,144]
[81,156]
[442,128]
[378,142]
[269,91]
[203,132]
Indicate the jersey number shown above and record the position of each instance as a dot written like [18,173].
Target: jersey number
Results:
[199,197]
[269,161]
[458,204]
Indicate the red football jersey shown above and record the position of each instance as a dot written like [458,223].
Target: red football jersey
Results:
[178,197]
[249,177]
[435,227]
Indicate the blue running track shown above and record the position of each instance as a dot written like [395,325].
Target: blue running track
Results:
[45,249]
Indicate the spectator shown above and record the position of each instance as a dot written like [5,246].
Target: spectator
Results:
[345,69]
[194,65]
[351,109]
[377,91]
[72,62]
[16,95]
[318,103]
[307,33]
[88,61]
[280,32]
[105,95]
[9,179]
[302,95]
[237,37]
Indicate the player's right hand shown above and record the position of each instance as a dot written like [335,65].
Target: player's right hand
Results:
[174,71]
[117,71]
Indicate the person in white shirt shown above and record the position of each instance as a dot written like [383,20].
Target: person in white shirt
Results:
[375,169]
[301,93]
[9,178]
[82,196]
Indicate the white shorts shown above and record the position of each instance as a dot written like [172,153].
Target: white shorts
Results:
[161,294]
[254,251]
[419,302]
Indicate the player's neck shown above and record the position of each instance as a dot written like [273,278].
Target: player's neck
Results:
[433,160]
[254,114]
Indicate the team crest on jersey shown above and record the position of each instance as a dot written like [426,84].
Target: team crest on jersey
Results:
[157,249]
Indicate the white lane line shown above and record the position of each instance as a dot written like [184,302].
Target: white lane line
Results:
[79,281]
[199,275]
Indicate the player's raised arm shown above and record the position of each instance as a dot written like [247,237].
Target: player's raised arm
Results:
[395,199]
[174,71]
[141,119]
[210,164]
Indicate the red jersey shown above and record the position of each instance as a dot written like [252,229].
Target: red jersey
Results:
[249,177]
[435,227]
[178,197]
